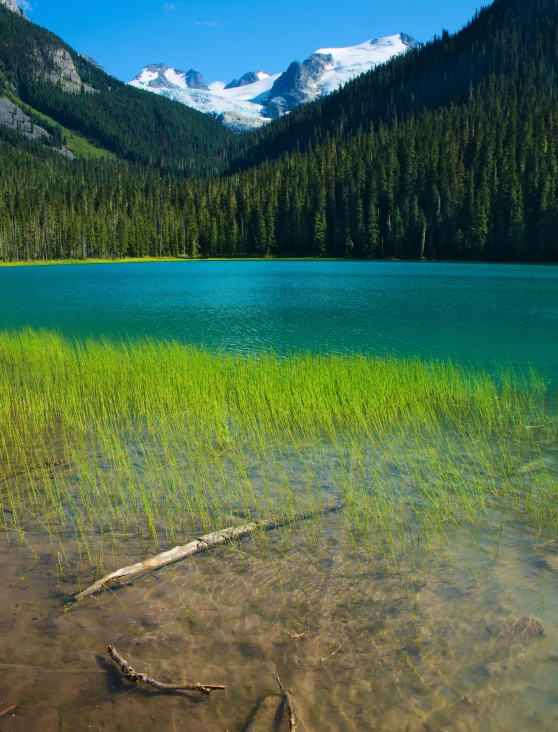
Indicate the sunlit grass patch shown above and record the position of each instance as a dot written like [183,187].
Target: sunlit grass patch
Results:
[159,441]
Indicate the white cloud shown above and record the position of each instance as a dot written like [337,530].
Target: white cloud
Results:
[208,23]
[25,5]
[169,7]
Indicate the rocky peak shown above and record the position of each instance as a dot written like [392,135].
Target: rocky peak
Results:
[257,97]
[160,76]
[409,41]
[159,80]
[194,80]
[250,78]
[297,84]
[13,6]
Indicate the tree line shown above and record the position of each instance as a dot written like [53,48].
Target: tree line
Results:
[477,181]
[448,152]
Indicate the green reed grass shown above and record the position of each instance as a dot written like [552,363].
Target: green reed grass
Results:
[160,440]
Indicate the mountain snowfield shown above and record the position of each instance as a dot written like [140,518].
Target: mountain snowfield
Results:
[259,97]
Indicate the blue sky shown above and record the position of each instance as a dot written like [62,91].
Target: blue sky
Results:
[224,39]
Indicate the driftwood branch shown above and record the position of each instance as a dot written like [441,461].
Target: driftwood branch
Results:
[8,710]
[132,675]
[217,538]
[289,704]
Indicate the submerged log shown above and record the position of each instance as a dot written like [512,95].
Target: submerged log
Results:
[132,675]
[217,538]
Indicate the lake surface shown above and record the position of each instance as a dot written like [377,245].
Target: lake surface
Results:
[457,636]
[471,312]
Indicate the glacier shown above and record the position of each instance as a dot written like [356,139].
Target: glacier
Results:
[259,96]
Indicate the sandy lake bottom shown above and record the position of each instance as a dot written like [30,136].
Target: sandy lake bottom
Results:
[434,645]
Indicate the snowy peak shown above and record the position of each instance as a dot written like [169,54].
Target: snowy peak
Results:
[250,78]
[330,68]
[257,97]
[160,76]
[348,63]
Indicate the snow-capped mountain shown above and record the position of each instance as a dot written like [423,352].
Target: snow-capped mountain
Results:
[258,97]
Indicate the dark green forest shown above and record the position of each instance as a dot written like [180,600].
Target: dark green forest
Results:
[449,152]
[134,125]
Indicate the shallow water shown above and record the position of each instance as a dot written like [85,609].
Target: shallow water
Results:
[471,312]
[403,641]
[361,647]
[416,645]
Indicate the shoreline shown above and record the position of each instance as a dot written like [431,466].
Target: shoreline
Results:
[151,260]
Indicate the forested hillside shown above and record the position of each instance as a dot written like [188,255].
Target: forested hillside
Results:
[448,152]
[510,48]
[53,79]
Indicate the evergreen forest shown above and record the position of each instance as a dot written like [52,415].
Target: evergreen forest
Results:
[447,152]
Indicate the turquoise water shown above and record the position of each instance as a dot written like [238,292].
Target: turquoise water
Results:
[502,313]
[428,644]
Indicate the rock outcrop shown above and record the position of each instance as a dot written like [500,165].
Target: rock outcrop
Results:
[13,6]
[55,64]
[250,78]
[194,80]
[298,84]
[62,67]
[12,117]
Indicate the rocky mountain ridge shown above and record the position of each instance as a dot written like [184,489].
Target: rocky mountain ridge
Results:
[92,113]
[13,6]
[258,97]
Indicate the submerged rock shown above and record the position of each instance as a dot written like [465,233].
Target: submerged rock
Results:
[518,629]
[267,716]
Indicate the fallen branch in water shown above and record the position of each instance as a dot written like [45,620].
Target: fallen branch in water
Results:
[126,574]
[132,675]
[290,706]
[31,469]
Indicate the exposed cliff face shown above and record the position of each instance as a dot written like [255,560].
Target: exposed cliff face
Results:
[297,85]
[57,66]
[62,67]
[13,6]
[15,119]
[194,80]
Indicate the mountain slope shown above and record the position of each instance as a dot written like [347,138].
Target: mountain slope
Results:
[496,47]
[470,174]
[259,97]
[51,78]
[13,6]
